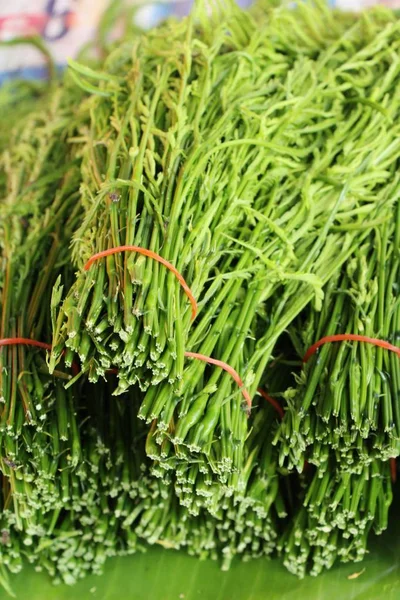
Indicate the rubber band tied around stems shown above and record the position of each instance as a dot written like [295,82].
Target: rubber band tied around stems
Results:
[393,470]
[234,374]
[355,337]
[349,337]
[272,401]
[21,341]
[149,254]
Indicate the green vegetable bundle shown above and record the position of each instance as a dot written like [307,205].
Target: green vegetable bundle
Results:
[203,420]
[211,186]
[346,400]
[40,210]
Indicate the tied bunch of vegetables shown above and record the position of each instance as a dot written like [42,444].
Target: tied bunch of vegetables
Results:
[179,222]
[346,398]
[208,185]
[342,414]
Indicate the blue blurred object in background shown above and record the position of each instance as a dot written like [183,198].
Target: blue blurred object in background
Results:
[65,26]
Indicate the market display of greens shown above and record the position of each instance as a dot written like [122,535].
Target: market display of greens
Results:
[179,222]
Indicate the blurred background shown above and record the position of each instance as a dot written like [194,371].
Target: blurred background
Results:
[67,25]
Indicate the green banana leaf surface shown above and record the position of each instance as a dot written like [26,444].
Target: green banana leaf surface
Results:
[161,574]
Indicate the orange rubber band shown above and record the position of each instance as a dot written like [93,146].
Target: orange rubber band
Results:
[273,402]
[112,371]
[349,337]
[393,470]
[150,254]
[220,363]
[20,341]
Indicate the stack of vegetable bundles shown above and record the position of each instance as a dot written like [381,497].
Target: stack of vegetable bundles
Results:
[180,222]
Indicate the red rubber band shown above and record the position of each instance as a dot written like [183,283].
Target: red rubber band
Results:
[273,402]
[220,363]
[150,254]
[20,341]
[393,470]
[351,337]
